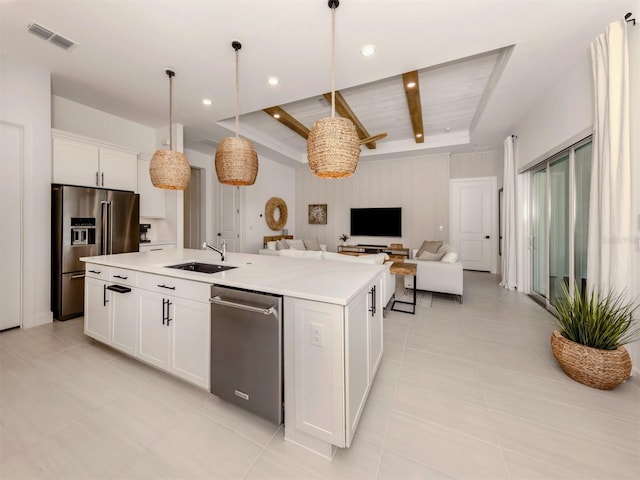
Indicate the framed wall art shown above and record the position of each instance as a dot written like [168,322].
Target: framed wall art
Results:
[318,214]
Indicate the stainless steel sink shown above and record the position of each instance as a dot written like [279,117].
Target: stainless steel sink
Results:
[201,267]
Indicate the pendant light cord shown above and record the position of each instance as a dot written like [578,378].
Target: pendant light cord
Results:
[170,111]
[237,101]
[333,62]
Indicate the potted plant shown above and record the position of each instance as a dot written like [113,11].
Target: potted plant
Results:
[593,326]
[344,237]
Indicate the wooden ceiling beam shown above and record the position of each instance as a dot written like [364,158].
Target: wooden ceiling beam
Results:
[344,110]
[288,121]
[414,104]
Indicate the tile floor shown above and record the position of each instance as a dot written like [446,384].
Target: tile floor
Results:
[464,391]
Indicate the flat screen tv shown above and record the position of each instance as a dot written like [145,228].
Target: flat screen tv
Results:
[376,222]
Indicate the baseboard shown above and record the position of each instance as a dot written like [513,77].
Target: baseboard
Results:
[41,318]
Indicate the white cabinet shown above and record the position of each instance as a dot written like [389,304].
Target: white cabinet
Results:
[336,352]
[175,325]
[97,309]
[174,335]
[152,199]
[152,247]
[79,161]
[111,307]
[163,321]
[375,310]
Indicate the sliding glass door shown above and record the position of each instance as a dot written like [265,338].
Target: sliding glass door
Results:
[559,222]
[539,233]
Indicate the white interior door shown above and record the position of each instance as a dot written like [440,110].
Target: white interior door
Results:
[473,224]
[229,215]
[11,162]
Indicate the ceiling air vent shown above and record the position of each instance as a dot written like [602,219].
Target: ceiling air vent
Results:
[50,36]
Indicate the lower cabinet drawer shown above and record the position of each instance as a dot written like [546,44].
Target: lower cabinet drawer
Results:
[124,276]
[177,287]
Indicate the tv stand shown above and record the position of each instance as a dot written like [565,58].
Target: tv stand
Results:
[396,254]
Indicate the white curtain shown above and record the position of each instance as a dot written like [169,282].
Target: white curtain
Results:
[509,247]
[610,209]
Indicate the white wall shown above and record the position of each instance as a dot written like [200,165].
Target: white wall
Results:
[205,162]
[274,180]
[420,185]
[76,118]
[26,101]
[565,111]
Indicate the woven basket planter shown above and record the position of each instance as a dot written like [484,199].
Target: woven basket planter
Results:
[236,161]
[170,170]
[333,148]
[603,369]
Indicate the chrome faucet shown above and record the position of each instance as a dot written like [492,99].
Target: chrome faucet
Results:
[223,252]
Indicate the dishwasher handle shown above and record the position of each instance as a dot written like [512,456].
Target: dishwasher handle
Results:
[265,311]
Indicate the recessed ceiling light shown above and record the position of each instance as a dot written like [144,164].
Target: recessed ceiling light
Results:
[206,101]
[411,84]
[273,81]
[368,50]
[276,115]
[447,129]
[418,135]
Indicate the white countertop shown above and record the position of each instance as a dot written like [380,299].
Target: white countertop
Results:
[323,281]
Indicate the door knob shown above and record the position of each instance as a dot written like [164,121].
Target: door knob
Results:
[487,236]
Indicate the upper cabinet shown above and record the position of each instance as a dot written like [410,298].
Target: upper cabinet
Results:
[89,163]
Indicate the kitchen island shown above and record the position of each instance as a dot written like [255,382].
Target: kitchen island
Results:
[332,327]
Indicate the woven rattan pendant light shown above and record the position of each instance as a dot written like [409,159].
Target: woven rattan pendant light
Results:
[333,146]
[236,158]
[170,169]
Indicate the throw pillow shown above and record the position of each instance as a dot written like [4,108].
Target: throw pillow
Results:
[450,257]
[282,244]
[431,246]
[296,244]
[431,257]
[311,244]
[271,245]
[445,248]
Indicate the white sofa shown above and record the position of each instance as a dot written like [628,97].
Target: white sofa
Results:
[437,276]
[388,279]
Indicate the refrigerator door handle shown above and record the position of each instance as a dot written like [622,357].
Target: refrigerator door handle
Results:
[104,221]
[110,208]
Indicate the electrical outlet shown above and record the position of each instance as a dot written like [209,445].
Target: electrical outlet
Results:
[317,334]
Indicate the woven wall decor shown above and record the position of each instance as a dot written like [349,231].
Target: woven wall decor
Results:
[273,204]
[170,169]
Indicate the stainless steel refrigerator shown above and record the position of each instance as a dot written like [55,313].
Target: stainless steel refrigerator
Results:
[86,222]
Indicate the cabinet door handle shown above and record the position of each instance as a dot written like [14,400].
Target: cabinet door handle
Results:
[102,174]
[118,276]
[97,272]
[97,184]
[169,312]
[167,287]
[164,315]
[487,236]
[373,300]
[104,295]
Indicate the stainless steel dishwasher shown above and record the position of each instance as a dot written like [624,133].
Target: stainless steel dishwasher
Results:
[246,350]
